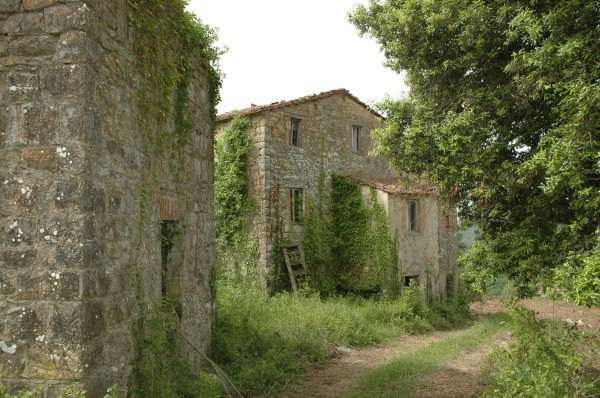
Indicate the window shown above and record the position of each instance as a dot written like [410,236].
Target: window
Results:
[411,280]
[296,204]
[448,222]
[294,132]
[356,138]
[413,215]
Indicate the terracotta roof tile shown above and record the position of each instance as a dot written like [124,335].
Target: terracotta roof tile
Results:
[398,185]
[256,109]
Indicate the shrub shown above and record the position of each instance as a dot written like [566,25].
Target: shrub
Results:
[545,360]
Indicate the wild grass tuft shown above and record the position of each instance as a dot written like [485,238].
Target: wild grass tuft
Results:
[262,342]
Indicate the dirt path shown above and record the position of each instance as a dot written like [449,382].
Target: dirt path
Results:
[335,376]
[459,379]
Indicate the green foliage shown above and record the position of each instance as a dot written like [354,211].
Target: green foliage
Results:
[166,38]
[161,369]
[352,249]
[317,239]
[544,360]
[262,341]
[403,376]
[237,252]
[503,115]
[232,199]
[71,391]
[350,224]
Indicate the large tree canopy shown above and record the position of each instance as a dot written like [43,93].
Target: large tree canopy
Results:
[503,114]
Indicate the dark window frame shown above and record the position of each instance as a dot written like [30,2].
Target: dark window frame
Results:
[296,208]
[295,132]
[356,138]
[413,215]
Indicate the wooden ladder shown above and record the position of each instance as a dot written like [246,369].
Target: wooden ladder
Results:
[294,260]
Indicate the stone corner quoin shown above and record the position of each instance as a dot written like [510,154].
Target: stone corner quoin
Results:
[74,257]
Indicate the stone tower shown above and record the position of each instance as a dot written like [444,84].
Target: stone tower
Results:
[83,203]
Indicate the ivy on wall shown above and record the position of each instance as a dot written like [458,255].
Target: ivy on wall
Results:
[166,41]
[317,239]
[166,38]
[350,249]
[233,204]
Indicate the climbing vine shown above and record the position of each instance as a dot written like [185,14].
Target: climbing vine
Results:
[351,249]
[166,38]
[234,206]
[317,239]
[232,199]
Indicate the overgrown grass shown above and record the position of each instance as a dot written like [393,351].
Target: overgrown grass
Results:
[402,376]
[262,342]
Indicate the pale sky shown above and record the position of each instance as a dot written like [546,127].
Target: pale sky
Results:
[283,49]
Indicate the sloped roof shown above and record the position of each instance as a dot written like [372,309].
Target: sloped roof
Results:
[398,185]
[253,110]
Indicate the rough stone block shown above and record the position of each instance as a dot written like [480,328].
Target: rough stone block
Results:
[7,285]
[94,196]
[92,319]
[52,362]
[12,367]
[8,126]
[38,123]
[64,323]
[9,5]
[20,86]
[22,24]
[67,193]
[63,17]
[94,255]
[17,258]
[76,47]
[35,4]
[68,81]
[40,158]
[79,121]
[33,45]
[24,325]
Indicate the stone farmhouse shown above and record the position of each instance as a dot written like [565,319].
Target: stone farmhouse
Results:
[83,202]
[291,137]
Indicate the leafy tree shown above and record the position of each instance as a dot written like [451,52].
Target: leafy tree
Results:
[503,114]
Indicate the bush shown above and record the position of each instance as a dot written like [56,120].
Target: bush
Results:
[262,341]
[160,368]
[545,360]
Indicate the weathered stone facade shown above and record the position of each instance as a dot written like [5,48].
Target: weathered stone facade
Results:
[427,250]
[79,199]
[327,122]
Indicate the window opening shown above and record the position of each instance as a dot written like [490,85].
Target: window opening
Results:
[296,204]
[170,262]
[411,279]
[294,132]
[413,215]
[356,138]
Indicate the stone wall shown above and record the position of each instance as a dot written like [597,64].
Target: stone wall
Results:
[430,252]
[79,199]
[275,165]
[325,132]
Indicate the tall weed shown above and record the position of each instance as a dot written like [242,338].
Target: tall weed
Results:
[545,360]
[263,341]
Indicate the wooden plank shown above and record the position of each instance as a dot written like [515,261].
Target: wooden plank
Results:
[290,270]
